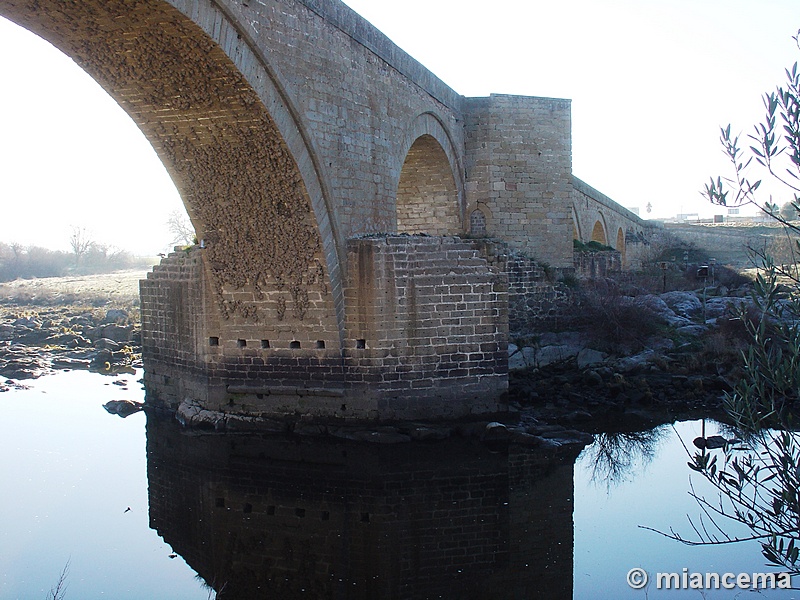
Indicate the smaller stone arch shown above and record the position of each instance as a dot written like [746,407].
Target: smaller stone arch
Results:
[431,164]
[620,247]
[427,195]
[599,232]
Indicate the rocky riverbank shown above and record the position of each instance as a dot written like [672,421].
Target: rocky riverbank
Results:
[35,341]
[74,322]
[677,355]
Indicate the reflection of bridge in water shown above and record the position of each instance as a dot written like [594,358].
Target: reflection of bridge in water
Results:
[277,517]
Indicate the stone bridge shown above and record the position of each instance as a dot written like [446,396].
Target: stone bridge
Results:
[597,218]
[308,149]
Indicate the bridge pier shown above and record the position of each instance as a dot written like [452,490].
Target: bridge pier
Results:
[425,337]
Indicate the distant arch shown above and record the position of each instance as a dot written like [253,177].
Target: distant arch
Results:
[599,233]
[620,247]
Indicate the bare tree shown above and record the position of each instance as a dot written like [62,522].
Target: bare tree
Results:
[181,229]
[59,591]
[80,241]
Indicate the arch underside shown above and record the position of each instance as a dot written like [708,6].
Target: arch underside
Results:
[233,169]
[599,233]
[427,194]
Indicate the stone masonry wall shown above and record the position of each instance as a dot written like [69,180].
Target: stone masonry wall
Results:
[425,336]
[537,296]
[598,264]
[354,93]
[519,168]
[172,329]
[192,348]
[426,325]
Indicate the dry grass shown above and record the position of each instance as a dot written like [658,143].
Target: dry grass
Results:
[120,288]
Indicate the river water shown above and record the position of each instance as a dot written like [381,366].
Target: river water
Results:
[139,508]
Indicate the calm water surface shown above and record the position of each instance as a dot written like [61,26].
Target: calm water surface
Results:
[328,518]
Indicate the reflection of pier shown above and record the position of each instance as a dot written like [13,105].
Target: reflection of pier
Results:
[279,517]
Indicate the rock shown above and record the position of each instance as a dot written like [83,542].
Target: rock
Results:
[515,359]
[106,344]
[551,354]
[683,304]
[123,408]
[692,330]
[726,306]
[710,443]
[577,416]
[191,414]
[424,433]
[116,315]
[636,362]
[657,343]
[117,333]
[70,363]
[29,322]
[569,437]
[379,435]
[592,378]
[526,439]
[70,340]
[103,359]
[496,432]
[588,357]
[661,309]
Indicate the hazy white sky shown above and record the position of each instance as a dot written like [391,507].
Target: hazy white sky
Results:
[651,81]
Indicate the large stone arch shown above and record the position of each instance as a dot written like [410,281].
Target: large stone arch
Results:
[430,190]
[220,120]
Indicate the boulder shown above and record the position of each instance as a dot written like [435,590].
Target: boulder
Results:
[551,354]
[123,408]
[725,306]
[661,309]
[683,304]
[636,362]
[117,333]
[116,315]
[692,330]
[106,344]
[588,357]
[496,431]
[28,322]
